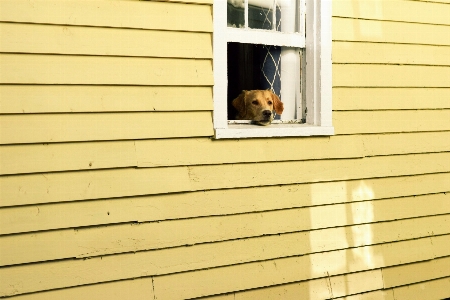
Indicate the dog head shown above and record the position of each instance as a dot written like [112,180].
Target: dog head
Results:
[258,106]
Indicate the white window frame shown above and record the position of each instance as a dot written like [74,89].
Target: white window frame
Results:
[318,81]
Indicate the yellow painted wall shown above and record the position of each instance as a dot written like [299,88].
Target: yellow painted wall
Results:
[112,188]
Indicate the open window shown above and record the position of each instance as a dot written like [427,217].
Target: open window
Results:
[280,45]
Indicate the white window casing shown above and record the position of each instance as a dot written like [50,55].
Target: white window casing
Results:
[316,78]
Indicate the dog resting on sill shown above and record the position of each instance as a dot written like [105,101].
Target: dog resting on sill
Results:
[258,106]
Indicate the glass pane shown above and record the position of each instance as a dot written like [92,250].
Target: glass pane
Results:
[279,15]
[264,18]
[235,13]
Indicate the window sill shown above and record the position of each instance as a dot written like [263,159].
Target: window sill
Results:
[273,130]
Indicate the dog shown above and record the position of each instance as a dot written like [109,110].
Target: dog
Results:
[257,106]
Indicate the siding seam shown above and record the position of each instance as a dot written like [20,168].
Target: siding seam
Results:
[391,21]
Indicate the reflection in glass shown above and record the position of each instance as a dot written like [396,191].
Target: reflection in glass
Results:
[264,14]
[264,18]
[236,13]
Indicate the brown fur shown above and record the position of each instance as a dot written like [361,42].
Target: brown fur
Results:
[257,105]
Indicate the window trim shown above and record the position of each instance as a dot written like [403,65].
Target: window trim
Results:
[318,79]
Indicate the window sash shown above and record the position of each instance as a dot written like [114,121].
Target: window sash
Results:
[292,41]
[265,37]
[252,35]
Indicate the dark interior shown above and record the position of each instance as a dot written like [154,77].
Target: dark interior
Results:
[243,71]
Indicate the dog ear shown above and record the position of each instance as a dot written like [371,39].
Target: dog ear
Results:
[239,103]
[277,104]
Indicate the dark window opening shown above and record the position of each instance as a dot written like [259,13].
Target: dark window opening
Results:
[252,67]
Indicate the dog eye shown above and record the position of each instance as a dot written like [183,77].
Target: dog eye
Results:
[269,102]
[255,102]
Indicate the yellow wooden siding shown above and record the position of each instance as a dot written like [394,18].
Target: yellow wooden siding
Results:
[36,158]
[206,279]
[212,203]
[183,1]
[122,14]
[67,186]
[394,10]
[103,70]
[70,186]
[109,174]
[353,283]
[359,75]
[166,152]
[316,289]
[390,98]
[387,294]
[388,144]
[319,148]
[356,283]
[18,99]
[403,275]
[347,29]
[437,1]
[147,236]
[354,122]
[104,41]
[441,243]
[49,128]
[239,277]
[153,153]
[433,289]
[136,289]
[315,171]
[379,53]
[66,156]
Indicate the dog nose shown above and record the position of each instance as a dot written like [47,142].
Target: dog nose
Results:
[267,113]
